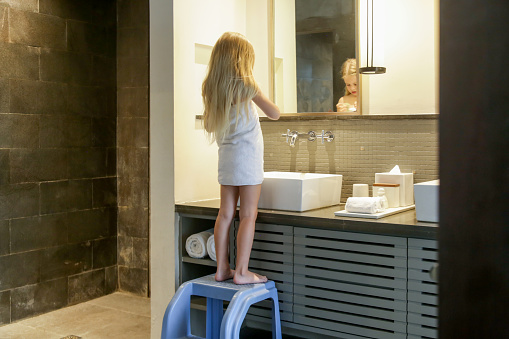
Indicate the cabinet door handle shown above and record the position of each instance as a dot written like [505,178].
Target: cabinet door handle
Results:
[433,272]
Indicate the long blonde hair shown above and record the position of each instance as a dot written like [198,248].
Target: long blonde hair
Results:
[229,81]
[349,68]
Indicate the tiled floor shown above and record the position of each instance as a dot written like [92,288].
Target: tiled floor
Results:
[117,315]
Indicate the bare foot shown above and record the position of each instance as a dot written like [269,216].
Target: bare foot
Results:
[224,274]
[248,278]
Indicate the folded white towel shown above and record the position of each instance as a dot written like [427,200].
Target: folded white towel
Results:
[368,205]
[211,247]
[196,244]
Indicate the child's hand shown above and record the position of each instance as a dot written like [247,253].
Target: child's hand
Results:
[342,107]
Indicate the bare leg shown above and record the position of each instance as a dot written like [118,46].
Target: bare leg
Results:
[229,197]
[249,196]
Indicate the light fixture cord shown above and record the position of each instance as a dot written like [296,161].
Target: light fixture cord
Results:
[372,32]
[367,32]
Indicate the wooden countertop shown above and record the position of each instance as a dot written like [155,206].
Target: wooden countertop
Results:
[403,224]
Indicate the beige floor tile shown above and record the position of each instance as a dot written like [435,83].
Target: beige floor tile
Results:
[20,331]
[125,302]
[77,320]
[114,316]
[124,325]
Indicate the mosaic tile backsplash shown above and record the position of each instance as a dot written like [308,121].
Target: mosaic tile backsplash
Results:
[361,148]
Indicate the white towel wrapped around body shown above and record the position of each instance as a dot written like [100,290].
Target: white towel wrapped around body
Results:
[196,244]
[211,247]
[367,205]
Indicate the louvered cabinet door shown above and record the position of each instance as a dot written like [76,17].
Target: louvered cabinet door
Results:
[350,283]
[422,289]
[272,255]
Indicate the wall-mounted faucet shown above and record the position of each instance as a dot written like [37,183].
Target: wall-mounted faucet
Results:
[291,137]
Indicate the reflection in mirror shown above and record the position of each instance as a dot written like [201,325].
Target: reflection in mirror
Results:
[312,39]
[309,52]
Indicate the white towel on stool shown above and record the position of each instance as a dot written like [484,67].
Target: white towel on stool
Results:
[211,247]
[196,244]
[367,205]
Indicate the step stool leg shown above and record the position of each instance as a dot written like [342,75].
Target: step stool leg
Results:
[236,312]
[214,317]
[276,320]
[177,318]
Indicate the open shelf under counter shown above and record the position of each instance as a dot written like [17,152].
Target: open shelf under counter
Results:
[198,261]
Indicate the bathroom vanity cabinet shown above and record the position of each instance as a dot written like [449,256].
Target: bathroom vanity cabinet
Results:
[336,277]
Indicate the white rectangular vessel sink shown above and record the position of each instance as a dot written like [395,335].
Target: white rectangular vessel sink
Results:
[293,191]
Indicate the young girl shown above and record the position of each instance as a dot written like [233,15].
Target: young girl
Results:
[349,101]
[231,119]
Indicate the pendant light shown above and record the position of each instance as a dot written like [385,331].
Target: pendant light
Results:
[370,69]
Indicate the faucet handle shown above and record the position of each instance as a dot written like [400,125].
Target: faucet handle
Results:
[326,136]
[287,135]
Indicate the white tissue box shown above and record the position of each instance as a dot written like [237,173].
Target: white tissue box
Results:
[426,200]
[391,192]
[406,185]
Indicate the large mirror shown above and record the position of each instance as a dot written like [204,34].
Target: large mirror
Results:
[313,38]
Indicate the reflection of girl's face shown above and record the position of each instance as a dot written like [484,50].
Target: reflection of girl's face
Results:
[351,84]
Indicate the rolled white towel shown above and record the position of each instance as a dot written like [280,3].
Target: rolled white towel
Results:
[367,205]
[196,244]
[211,247]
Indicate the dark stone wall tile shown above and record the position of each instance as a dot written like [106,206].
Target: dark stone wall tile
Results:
[87,162]
[104,71]
[111,279]
[132,42]
[132,13]
[5,307]
[26,5]
[4,167]
[34,165]
[18,61]
[92,224]
[125,251]
[104,132]
[4,23]
[105,252]
[19,131]
[96,11]
[112,161]
[133,72]
[18,201]
[31,300]
[140,253]
[19,270]
[132,132]
[133,102]
[65,196]
[53,65]
[65,131]
[133,221]
[4,95]
[38,97]
[33,29]
[133,280]
[89,38]
[90,101]
[104,192]
[68,67]
[66,260]
[86,286]
[34,233]
[133,192]
[133,162]
[4,237]
[80,68]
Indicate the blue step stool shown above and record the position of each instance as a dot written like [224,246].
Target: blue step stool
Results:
[177,318]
